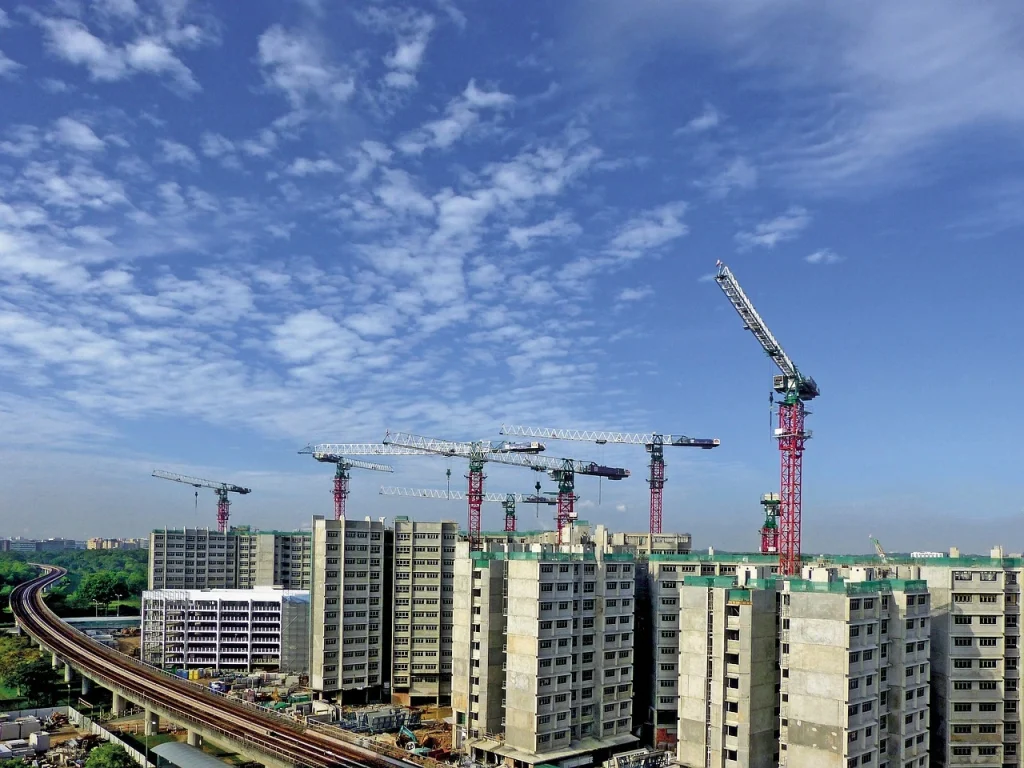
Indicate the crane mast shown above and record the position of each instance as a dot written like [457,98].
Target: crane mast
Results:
[482,451]
[332,454]
[221,489]
[794,389]
[654,442]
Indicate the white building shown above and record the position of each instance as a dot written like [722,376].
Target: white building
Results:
[227,629]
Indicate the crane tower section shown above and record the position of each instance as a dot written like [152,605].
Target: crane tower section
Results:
[795,389]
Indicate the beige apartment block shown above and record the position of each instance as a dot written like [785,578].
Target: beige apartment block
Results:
[192,558]
[851,694]
[567,671]
[975,660]
[350,603]
[199,558]
[424,597]
[728,672]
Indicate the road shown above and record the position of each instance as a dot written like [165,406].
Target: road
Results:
[282,739]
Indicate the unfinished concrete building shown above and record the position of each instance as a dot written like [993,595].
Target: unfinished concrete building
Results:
[200,558]
[727,671]
[976,711]
[424,571]
[350,606]
[566,663]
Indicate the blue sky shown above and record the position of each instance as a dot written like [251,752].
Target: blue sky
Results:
[225,233]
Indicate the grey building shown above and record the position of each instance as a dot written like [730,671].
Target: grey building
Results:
[350,607]
[423,615]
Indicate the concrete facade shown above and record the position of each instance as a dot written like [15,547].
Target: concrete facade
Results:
[422,620]
[200,558]
[728,672]
[566,666]
[976,711]
[350,601]
[227,629]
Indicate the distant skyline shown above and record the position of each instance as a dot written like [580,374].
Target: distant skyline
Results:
[227,231]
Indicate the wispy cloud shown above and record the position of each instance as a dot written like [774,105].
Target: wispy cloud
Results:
[649,231]
[77,135]
[780,229]
[462,114]
[635,294]
[823,256]
[404,61]
[295,64]
[703,122]
[738,175]
[561,226]
[176,153]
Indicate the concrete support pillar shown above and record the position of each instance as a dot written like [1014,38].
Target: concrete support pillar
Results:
[42,647]
[194,739]
[69,673]
[86,686]
[54,661]
[152,723]
[117,704]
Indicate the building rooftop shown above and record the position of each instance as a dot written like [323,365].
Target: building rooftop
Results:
[256,593]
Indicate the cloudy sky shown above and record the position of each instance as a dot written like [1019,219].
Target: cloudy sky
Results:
[227,230]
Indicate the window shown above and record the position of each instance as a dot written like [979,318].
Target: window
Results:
[963,642]
[987,619]
[961,620]
[962,663]
[988,642]
[988,598]
[962,707]
[987,685]
[959,685]
[962,598]
[961,729]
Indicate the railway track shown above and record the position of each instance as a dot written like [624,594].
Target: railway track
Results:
[279,738]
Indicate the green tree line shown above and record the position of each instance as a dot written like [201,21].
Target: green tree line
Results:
[96,577]
[24,668]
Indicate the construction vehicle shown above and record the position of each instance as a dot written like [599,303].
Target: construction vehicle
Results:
[478,453]
[338,453]
[508,501]
[221,489]
[653,442]
[794,389]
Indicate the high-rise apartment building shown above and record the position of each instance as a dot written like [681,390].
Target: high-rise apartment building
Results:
[975,660]
[424,570]
[851,691]
[200,558]
[228,629]
[350,607]
[566,664]
[728,643]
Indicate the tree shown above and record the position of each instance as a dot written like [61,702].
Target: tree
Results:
[102,587]
[109,756]
[15,762]
[24,668]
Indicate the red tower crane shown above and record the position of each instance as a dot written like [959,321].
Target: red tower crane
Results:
[517,454]
[795,389]
[222,490]
[508,501]
[335,453]
[654,442]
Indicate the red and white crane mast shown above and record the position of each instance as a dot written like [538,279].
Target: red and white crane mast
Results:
[221,489]
[335,453]
[795,389]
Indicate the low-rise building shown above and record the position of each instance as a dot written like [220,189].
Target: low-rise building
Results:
[227,629]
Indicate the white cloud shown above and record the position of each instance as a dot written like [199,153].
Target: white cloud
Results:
[561,226]
[176,153]
[152,56]
[303,166]
[8,66]
[823,256]
[462,114]
[738,175]
[293,64]
[23,141]
[399,193]
[215,145]
[124,9]
[411,44]
[769,233]
[4,19]
[703,122]
[72,41]
[77,135]
[649,231]
[635,294]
